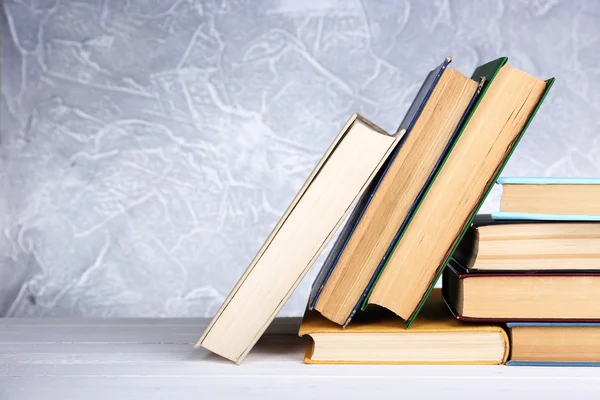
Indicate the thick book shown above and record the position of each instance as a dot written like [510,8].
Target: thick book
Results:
[431,125]
[553,199]
[523,245]
[522,296]
[379,337]
[321,205]
[509,100]
[554,344]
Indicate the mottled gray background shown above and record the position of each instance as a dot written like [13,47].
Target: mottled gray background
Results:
[148,147]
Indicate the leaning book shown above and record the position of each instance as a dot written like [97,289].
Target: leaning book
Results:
[323,202]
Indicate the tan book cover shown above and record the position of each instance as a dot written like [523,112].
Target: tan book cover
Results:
[329,194]
[456,336]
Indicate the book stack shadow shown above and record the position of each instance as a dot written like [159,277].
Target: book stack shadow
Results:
[406,206]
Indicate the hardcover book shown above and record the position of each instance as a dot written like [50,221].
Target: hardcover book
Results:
[328,195]
[554,344]
[503,296]
[523,245]
[379,337]
[508,102]
[431,126]
[552,199]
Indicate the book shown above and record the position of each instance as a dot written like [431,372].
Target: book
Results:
[522,245]
[522,296]
[379,337]
[550,198]
[554,344]
[513,216]
[321,205]
[431,125]
[509,100]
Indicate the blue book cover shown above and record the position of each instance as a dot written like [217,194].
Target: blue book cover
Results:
[407,125]
[551,364]
[528,216]
[511,325]
[515,216]
[533,180]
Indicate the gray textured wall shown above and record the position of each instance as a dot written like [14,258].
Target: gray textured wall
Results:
[148,148]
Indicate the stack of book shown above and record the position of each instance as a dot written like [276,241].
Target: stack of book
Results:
[535,265]
[408,199]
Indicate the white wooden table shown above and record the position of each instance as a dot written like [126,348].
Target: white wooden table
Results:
[155,359]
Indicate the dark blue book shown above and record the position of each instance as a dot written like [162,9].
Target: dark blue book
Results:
[429,130]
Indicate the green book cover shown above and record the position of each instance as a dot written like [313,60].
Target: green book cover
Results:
[488,72]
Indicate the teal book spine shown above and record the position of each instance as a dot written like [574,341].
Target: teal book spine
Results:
[518,216]
[530,180]
[552,363]
[534,180]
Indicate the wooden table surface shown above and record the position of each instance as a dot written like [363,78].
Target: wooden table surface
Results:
[154,358]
